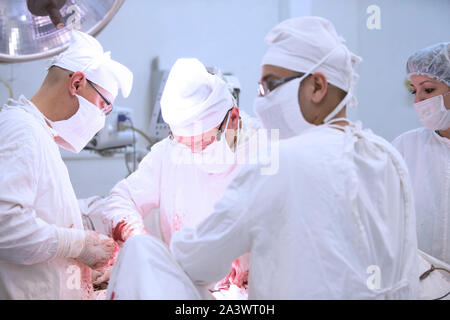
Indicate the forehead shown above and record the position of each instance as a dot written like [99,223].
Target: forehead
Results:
[268,69]
[418,79]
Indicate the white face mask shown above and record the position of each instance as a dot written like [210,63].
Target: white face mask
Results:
[433,114]
[215,158]
[280,110]
[79,129]
[218,156]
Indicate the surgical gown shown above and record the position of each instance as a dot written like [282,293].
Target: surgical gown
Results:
[184,192]
[336,222]
[427,156]
[36,198]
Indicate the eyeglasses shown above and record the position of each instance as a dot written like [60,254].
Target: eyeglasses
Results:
[265,87]
[220,129]
[106,110]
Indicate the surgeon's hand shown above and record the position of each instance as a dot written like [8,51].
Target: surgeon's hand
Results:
[100,277]
[98,250]
[125,230]
[237,276]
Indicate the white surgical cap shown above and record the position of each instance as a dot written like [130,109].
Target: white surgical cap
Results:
[194,101]
[432,61]
[299,44]
[86,54]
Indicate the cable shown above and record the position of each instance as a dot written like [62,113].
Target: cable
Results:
[123,118]
[11,95]
[140,132]
[134,142]
[440,298]
[432,268]
[427,273]
[126,165]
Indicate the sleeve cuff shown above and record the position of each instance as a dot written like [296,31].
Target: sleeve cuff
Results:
[71,242]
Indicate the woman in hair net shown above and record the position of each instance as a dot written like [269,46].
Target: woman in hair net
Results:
[427,150]
[183,176]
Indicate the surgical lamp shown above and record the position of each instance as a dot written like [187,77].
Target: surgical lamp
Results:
[35,29]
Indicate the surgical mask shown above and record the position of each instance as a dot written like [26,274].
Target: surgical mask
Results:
[78,130]
[218,156]
[280,110]
[215,158]
[433,114]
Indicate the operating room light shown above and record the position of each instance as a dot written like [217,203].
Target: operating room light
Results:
[26,36]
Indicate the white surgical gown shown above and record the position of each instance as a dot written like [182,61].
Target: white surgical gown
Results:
[145,270]
[336,222]
[36,197]
[184,193]
[427,156]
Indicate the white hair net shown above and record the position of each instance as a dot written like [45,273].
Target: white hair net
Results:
[86,54]
[311,44]
[432,61]
[194,101]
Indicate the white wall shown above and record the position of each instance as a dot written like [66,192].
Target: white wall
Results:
[385,105]
[225,33]
[229,34]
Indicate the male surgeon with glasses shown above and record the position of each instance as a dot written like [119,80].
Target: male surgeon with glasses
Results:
[45,253]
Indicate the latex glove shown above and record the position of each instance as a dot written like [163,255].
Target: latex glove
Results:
[100,277]
[125,230]
[237,276]
[240,273]
[98,250]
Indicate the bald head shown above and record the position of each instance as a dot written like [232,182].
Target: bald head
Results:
[318,98]
[56,76]
[57,96]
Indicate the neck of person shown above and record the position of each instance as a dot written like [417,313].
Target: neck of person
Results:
[341,114]
[50,105]
[444,133]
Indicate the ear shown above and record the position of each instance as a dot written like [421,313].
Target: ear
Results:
[447,99]
[234,118]
[319,81]
[77,82]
